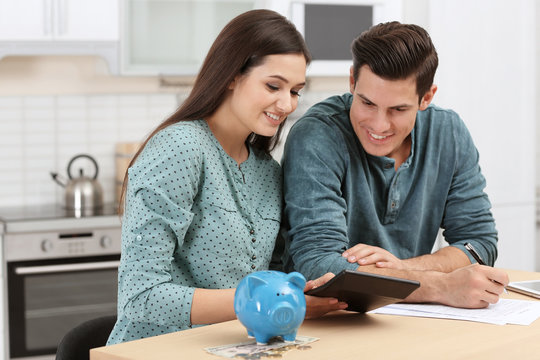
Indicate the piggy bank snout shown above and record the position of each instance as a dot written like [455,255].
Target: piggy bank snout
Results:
[282,314]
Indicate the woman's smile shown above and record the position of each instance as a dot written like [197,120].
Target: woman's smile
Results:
[274,119]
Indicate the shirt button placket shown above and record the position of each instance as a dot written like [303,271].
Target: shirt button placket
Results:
[253,240]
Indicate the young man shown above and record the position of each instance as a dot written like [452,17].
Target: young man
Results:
[371,176]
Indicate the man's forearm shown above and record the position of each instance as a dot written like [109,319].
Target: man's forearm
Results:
[445,260]
[471,286]
[432,284]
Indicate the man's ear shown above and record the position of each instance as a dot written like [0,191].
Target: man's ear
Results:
[351,80]
[428,96]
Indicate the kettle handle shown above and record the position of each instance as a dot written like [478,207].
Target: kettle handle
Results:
[80,156]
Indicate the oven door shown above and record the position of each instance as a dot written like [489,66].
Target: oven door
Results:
[47,298]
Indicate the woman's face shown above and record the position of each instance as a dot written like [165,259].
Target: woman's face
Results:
[263,98]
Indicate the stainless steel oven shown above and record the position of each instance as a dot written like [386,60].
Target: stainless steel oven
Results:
[58,272]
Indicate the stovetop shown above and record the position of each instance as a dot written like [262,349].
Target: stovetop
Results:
[50,212]
[55,218]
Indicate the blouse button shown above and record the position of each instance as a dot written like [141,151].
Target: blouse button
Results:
[388,166]
[252,231]
[253,240]
[253,257]
[253,267]
[139,237]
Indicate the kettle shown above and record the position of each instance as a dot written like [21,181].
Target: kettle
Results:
[83,194]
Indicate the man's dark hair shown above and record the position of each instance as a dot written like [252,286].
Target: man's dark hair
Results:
[395,51]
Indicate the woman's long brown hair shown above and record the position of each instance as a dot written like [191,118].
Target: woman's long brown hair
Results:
[241,45]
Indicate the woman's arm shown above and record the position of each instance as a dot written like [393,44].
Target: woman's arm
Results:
[212,306]
[217,305]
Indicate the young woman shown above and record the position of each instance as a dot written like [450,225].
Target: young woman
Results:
[203,197]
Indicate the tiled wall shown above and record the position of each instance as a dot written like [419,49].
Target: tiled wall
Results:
[40,134]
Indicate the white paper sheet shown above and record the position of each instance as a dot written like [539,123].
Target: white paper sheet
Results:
[506,311]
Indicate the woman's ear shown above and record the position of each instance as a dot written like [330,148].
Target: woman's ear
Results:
[428,96]
[233,83]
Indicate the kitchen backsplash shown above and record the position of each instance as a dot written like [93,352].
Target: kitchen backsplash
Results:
[40,134]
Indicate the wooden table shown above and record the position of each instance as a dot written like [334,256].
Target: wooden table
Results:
[347,335]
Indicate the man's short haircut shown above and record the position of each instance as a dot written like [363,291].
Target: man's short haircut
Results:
[395,51]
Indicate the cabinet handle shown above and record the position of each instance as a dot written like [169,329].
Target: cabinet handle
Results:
[62,16]
[47,17]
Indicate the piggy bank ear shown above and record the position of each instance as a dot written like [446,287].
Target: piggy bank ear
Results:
[297,279]
[253,282]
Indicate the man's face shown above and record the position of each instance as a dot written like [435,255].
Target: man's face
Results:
[383,113]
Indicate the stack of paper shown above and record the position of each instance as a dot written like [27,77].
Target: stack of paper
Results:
[506,311]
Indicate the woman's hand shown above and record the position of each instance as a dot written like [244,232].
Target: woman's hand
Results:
[318,306]
[372,255]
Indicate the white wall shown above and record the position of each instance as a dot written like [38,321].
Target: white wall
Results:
[487,74]
[537,162]
[537,53]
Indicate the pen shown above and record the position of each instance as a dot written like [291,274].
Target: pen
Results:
[478,259]
[474,254]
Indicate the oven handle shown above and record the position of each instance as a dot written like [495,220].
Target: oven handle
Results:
[31,270]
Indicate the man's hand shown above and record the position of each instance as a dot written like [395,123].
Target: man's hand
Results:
[472,286]
[318,306]
[447,259]
[372,255]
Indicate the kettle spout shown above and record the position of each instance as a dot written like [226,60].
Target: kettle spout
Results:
[56,177]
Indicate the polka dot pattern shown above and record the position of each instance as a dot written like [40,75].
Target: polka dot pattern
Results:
[193,218]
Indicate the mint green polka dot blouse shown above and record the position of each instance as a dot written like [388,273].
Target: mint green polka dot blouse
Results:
[193,219]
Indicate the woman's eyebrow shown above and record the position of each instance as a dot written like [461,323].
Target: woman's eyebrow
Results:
[285,80]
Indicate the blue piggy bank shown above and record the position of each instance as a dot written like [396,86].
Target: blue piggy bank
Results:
[271,303]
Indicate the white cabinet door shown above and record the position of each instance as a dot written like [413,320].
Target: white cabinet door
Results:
[35,20]
[95,20]
[25,20]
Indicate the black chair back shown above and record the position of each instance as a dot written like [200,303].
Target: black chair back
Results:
[76,344]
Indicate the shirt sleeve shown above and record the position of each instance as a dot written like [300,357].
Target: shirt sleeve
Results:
[314,162]
[467,216]
[161,189]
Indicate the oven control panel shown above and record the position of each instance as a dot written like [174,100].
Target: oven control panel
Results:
[65,243]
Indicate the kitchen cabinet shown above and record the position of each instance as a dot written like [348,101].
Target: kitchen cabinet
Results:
[38,20]
[172,36]
[18,23]
[60,27]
